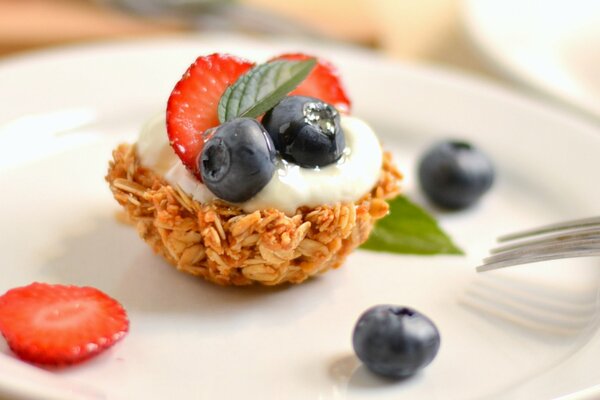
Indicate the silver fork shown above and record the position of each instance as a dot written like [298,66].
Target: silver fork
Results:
[569,239]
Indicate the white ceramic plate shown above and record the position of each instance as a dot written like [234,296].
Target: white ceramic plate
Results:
[529,332]
[552,45]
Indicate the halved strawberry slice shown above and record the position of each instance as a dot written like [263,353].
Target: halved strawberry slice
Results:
[58,324]
[324,83]
[192,106]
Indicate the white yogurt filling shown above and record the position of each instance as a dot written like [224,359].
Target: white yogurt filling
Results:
[291,186]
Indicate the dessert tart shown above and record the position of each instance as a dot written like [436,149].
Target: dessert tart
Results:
[256,173]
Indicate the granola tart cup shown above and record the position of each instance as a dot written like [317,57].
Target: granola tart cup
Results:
[225,245]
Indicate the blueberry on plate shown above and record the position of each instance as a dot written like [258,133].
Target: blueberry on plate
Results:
[238,160]
[395,341]
[455,174]
[306,131]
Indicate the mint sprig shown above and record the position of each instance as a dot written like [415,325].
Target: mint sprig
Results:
[262,87]
[409,229]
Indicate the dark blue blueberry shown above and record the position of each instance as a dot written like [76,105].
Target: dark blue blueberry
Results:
[454,174]
[395,341]
[306,131]
[238,160]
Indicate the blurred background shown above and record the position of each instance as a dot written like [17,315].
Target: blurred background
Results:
[549,48]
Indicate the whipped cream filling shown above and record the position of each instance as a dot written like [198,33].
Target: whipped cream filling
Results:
[291,186]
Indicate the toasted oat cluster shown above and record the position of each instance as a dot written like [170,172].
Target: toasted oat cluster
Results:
[227,246]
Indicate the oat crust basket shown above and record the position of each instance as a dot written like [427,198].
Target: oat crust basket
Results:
[223,244]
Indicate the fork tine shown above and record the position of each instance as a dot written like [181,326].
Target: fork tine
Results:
[581,233]
[545,248]
[572,253]
[561,226]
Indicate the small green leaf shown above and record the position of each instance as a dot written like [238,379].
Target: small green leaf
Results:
[261,88]
[409,229]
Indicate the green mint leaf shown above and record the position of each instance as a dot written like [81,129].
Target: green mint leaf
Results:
[262,87]
[409,229]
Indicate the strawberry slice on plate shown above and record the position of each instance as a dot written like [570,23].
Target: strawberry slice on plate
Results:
[324,83]
[192,106]
[59,324]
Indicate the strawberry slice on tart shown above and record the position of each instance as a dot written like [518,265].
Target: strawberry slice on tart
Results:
[192,106]
[324,82]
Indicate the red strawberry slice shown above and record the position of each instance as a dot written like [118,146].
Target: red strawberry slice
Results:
[58,324]
[324,83]
[192,106]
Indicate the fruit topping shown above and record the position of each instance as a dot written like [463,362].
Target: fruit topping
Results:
[58,324]
[324,83]
[455,174]
[238,160]
[218,88]
[192,106]
[395,341]
[306,131]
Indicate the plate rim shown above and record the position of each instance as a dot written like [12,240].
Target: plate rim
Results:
[511,68]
